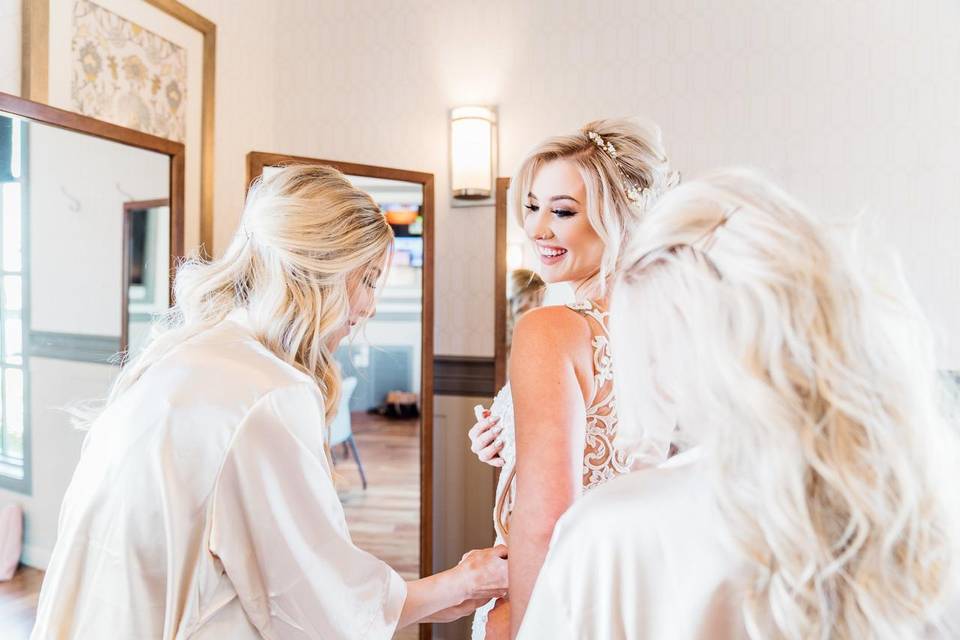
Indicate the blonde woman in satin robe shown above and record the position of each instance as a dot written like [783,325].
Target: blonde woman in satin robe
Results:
[818,499]
[203,505]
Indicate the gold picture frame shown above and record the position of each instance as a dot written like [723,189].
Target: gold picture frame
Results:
[35,86]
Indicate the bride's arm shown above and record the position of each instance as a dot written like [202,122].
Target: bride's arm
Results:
[551,350]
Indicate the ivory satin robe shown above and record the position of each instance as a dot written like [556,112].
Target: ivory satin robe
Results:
[648,556]
[203,507]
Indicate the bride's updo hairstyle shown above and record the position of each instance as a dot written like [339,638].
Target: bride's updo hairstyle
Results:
[625,169]
[809,379]
[305,232]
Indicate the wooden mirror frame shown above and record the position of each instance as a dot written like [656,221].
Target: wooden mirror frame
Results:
[500,286]
[128,209]
[256,161]
[69,121]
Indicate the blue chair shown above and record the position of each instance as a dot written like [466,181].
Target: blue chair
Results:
[341,430]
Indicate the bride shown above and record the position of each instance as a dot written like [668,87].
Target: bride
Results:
[579,197]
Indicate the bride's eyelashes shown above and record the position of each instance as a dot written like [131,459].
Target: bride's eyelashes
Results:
[560,213]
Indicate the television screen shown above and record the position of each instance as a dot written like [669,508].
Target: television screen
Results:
[408,251]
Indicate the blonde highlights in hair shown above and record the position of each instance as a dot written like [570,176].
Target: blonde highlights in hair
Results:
[641,162]
[810,376]
[305,234]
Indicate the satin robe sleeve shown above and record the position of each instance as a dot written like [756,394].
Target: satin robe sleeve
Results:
[592,587]
[280,533]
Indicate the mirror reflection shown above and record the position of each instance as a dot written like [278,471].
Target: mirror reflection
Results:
[375,437]
[85,254]
[146,263]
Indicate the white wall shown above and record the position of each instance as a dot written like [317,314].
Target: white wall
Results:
[10,46]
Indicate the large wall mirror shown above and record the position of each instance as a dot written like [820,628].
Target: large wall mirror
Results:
[91,225]
[382,435]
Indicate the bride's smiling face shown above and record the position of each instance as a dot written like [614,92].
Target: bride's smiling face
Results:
[555,219]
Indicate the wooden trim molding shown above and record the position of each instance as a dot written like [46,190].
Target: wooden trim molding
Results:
[74,347]
[256,161]
[500,285]
[34,50]
[34,78]
[464,376]
[84,124]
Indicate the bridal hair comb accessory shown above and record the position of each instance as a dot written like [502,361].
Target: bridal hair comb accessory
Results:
[710,237]
[699,247]
[641,197]
[606,147]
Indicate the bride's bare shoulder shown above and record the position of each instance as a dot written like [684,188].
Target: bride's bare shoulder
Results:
[557,323]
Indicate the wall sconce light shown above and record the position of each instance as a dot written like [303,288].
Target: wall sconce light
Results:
[473,155]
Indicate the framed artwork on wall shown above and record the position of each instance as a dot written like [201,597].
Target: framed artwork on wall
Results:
[146,65]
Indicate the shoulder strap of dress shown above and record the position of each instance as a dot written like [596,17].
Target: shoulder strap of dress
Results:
[593,311]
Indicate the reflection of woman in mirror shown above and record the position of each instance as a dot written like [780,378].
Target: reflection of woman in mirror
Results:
[819,497]
[578,197]
[203,504]
[525,291]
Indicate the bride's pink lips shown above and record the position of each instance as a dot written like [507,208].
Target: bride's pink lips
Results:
[551,260]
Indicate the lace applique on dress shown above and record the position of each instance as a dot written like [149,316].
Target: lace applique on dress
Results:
[602,461]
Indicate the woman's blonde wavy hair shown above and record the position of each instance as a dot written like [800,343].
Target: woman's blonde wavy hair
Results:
[641,160]
[306,236]
[810,377]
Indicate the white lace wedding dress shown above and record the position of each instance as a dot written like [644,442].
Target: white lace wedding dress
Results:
[602,461]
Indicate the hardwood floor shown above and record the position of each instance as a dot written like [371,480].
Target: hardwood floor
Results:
[18,603]
[384,519]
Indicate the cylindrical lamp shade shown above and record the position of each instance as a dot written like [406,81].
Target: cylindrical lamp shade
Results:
[472,152]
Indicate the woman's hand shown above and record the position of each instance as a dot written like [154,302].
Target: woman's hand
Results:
[484,572]
[456,612]
[483,437]
[451,594]
[498,621]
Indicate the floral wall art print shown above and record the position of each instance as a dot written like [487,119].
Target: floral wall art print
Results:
[127,75]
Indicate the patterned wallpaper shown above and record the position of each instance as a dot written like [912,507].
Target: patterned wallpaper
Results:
[126,74]
[853,106]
